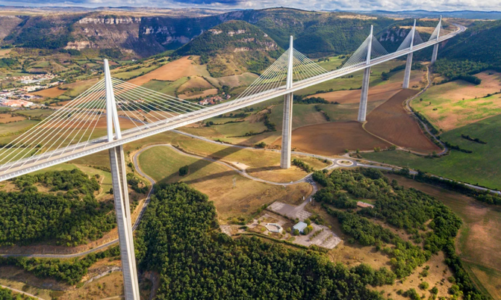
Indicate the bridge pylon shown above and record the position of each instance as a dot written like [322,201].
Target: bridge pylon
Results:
[408,65]
[362,110]
[435,48]
[120,193]
[285,159]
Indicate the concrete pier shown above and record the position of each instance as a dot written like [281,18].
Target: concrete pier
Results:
[435,54]
[285,159]
[121,194]
[362,110]
[408,69]
[122,210]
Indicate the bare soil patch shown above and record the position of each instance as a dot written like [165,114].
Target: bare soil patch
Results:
[377,93]
[52,92]
[333,138]
[393,122]
[194,95]
[172,71]
[7,118]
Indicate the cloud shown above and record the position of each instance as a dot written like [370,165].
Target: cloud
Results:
[210,2]
[257,4]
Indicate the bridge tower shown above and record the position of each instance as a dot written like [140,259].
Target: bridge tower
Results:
[285,159]
[362,110]
[408,65]
[121,193]
[435,48]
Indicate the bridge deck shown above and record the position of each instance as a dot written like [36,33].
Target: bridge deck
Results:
[51,158]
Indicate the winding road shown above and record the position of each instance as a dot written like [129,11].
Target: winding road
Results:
[335,163]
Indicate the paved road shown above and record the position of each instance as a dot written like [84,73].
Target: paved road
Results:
[425,126]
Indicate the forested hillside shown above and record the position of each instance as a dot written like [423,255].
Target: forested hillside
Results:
[431,224]
[179,239]
[481,42]
[233,47]
[67,213]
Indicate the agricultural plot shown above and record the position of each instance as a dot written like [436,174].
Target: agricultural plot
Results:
[333,138]
[172,71]
[392,122]
[215,180]
[165,87]
[458,103]
[482,166]
[353,81]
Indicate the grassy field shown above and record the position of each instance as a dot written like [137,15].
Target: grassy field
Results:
[166,87]
[6,129]
[458,103]
[482,166]
[353,81]
[476,243]
[215,180]
[333,63]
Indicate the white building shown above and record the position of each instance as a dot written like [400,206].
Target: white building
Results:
[301,226]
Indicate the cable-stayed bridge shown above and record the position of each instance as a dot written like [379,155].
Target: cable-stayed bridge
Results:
[114,112]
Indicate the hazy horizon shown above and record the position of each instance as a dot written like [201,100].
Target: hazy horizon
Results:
[347,5]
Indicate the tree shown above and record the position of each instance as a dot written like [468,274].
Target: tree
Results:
[184,170]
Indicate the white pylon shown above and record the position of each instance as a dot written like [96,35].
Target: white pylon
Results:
[121,194]
[362,110]
[285,159]
[408,65]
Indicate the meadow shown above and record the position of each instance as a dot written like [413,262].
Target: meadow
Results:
[458,103]
[480,167]
[216,180]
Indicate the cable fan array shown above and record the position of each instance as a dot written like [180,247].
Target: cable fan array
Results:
[360,55]
[82,121]
[275,76]
[406,43]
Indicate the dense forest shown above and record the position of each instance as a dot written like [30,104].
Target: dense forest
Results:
[179,238]
[481,42]
[68,213]
[407,209]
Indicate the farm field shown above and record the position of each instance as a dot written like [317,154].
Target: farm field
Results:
[459,103]
[353,81]
[475,243]
[392,122]
[215,180]
[52,92]
[183,67]
[482,166]
[333,138]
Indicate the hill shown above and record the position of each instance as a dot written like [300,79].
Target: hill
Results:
[233,47]
[317,33]
[480,43]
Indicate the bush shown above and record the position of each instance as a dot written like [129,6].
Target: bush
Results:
[184,170]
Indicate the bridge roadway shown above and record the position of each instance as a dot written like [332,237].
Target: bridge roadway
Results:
[51,158]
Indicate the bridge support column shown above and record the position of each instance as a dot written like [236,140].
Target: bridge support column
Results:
[408,69]
[121,194]
[362,110]
[285,159]
[124,221]
[435,54]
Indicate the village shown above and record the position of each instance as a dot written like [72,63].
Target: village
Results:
[20,97]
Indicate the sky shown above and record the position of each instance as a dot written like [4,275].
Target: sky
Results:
[445,5]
